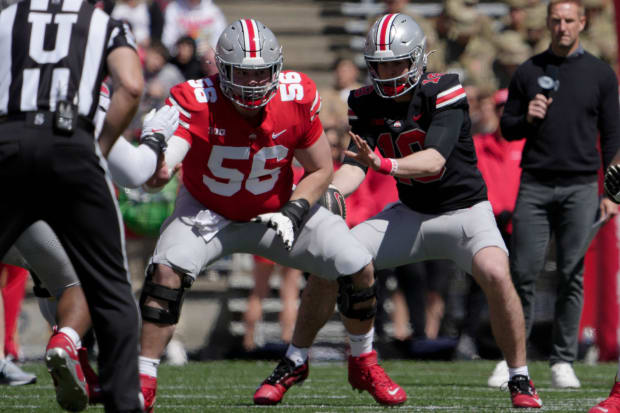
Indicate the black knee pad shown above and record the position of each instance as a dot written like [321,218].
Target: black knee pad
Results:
[173,296]
[348,297]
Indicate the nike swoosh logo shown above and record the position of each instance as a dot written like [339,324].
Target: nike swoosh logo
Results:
[602,409]
[416,117]
[156,130]
[393,391]
[275,135]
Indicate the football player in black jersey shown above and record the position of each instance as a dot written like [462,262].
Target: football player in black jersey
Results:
[419,122]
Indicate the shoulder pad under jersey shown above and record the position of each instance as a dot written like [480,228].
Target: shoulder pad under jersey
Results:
[299,89]
[444,90]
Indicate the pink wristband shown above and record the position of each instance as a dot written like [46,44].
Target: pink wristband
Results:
[386,166]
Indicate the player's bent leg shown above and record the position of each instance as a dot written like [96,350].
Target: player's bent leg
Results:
[318,301]
[358,305]
[490,269]
[160,304]
[610,404]
[72,310]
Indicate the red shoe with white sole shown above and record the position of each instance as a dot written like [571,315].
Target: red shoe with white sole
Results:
[61,359]
[610,404]
[365,373]
[523,393]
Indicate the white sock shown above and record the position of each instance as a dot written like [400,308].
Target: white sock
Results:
[518,370]
[362,343]
[148,366]
[73,335]
[297,355]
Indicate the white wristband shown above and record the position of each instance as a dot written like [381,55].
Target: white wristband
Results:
[394,166]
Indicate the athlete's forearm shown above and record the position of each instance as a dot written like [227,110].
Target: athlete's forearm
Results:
[128,81]
[131,166]
[427,162]
[313,185]
[319,167]
[177,149]
[348,178]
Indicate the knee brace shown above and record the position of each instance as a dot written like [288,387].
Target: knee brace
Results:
[172,296]
[348,297]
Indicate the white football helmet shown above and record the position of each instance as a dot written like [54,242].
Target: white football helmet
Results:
[395,37]
[248,44]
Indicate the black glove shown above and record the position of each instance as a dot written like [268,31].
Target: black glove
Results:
[333,200]
[612,183]
[287,221]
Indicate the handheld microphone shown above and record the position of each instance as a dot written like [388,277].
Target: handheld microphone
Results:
[549,81]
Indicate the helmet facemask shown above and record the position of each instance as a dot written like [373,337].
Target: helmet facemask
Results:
[250,97]
[401,84]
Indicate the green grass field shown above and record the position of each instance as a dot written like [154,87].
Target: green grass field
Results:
[227,386]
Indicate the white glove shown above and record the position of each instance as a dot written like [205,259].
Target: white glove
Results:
[287,221]
[281,224]
[158,127]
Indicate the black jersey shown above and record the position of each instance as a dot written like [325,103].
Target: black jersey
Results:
[55,50]
[399,129]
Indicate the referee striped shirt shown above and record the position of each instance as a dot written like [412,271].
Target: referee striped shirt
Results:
[54,50]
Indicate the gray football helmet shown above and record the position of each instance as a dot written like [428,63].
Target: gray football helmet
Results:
[248,44]
[395,37]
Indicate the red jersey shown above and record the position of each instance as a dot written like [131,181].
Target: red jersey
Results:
[237,169]
[498,161]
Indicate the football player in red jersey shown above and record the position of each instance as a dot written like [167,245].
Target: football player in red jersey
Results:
[238,133]
[420,123]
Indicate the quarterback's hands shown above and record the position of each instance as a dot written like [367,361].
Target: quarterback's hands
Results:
[364,155]
[612,183]
[287,221]
[537,108]
[158,127]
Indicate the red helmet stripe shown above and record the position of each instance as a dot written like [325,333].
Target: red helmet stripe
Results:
[250,38]
[383,32]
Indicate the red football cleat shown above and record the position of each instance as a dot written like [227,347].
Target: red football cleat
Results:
[148,385]
[523,393]
[61,359]
[271,391]
[365,373]
[610,404]
[95,395]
